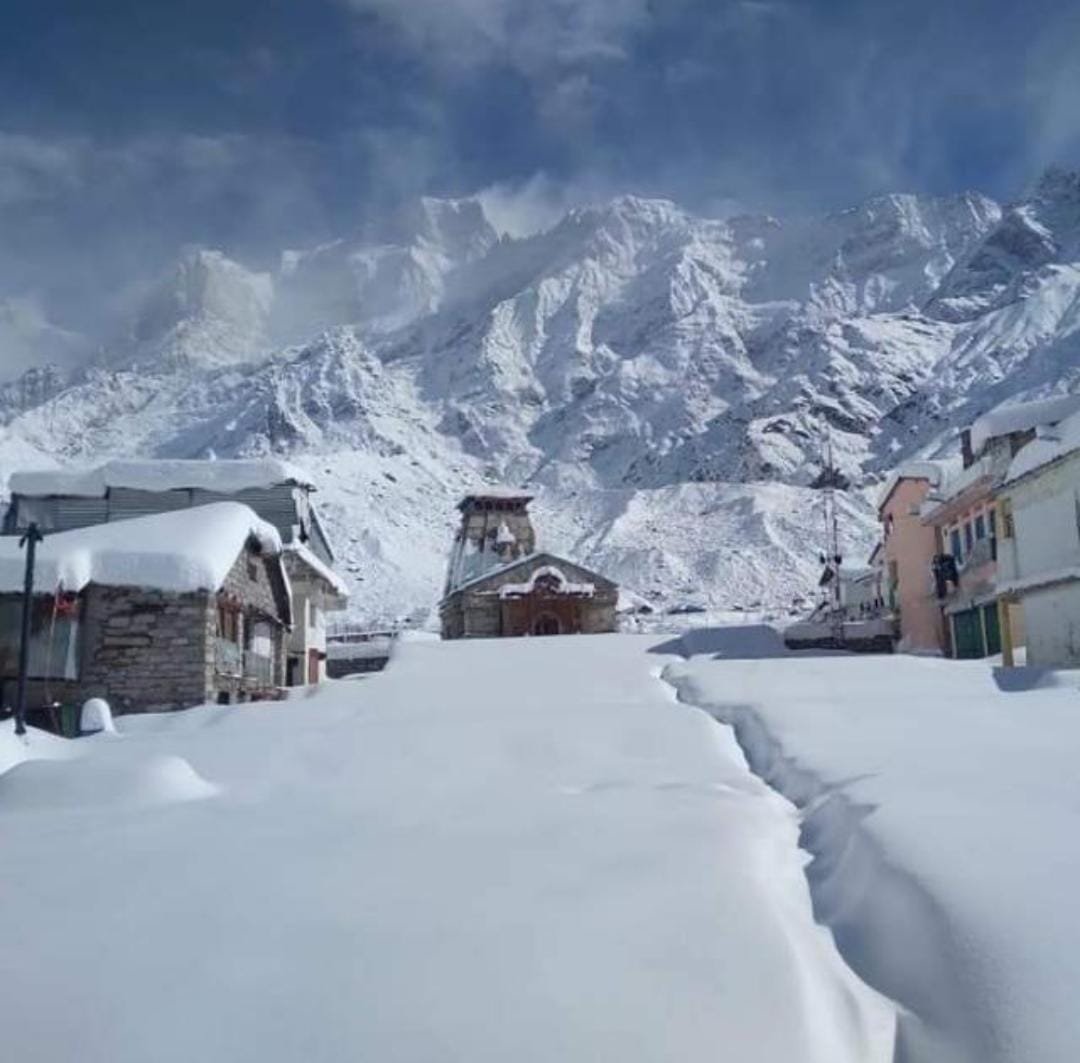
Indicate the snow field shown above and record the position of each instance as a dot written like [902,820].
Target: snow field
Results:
[507,849]
[940,806]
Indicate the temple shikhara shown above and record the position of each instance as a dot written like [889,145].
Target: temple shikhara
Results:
[498,584]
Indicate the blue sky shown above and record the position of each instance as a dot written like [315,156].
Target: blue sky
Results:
[131,127]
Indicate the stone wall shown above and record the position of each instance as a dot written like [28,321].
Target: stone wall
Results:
[254,583]
[146,650]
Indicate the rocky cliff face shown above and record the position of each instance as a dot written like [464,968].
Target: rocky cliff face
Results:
[666,381]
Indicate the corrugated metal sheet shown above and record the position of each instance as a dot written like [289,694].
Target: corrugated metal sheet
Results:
[56,514]
[284,506]
[125,503]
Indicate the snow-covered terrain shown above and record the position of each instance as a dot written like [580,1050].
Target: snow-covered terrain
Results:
[940,802]
[521,849]
[637,364]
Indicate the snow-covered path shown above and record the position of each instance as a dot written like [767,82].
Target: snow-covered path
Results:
[518,850]
[941,801]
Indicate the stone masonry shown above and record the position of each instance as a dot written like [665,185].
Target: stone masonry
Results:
[151,650]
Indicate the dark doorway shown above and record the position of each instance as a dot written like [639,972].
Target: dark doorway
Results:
[546,624]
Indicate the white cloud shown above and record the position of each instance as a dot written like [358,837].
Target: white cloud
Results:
[34,168]
[529,35]
[521,208]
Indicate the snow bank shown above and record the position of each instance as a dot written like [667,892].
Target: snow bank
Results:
[419,867]
[940,807]
[94,783]
[186,550]
[34,745]
[223,476]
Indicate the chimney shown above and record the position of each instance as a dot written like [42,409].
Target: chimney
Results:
[965,448]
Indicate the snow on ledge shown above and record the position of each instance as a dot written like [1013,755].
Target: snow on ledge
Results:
[221,476]
[182,551]
[1047,448]
[515,590]
[317,565]
[1020,416]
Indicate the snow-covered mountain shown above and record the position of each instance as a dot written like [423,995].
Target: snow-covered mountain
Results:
[666,382]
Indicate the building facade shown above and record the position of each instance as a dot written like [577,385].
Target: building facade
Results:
[967,519]
[497,585]
[537,595]
[276,491]
[1039,552]
[907,553]
[142,631]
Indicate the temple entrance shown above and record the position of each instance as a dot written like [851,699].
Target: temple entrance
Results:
[547,624]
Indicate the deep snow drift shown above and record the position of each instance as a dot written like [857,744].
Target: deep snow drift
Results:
[940,799]
[496,850]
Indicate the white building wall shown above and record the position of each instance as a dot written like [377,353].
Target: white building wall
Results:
[1046,543]
[309,625]
[1045,515]
[1052,616]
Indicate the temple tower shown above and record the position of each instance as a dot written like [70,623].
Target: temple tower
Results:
[495,530]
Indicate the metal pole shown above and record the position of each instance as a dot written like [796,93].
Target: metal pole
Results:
[30,540]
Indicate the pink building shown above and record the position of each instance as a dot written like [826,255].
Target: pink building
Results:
[909,547]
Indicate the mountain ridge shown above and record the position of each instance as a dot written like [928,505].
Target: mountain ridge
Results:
[629,359]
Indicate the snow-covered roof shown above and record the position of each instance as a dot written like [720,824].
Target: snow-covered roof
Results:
[958,479]
[1046,448]
[500,494]
[932,471]
[499,570]
[1021,416]
[182,551]
[222,476]
[318,566]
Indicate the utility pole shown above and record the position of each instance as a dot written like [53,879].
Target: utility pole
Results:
[30,540]
[833,558]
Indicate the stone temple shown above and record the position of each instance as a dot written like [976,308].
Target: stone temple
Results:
[499,585]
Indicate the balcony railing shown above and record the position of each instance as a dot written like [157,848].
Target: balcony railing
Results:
[228,658]
[982,552]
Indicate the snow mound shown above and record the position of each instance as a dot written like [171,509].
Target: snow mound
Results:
[96,716]
[90,783]
[34,745]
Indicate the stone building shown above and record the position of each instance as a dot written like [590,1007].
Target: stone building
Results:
[278,492]
[498,585]
[154,613]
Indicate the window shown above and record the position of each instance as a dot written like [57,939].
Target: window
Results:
[54,639]
[980,527]
[992,517]
[954,546]
[1007,528]
[228,623]
[969,538]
